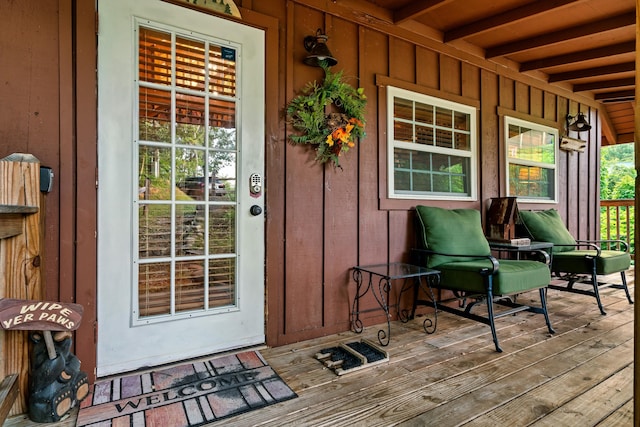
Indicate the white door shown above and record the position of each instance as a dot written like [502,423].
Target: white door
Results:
[180,137]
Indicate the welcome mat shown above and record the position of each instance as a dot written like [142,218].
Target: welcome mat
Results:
[352,356]
[187,395]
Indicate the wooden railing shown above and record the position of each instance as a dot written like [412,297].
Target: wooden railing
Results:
[617,218]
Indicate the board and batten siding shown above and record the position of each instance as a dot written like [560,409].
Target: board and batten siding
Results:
[320,221]
[334,219]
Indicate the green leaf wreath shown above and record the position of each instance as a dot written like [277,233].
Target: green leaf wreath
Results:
[333,133]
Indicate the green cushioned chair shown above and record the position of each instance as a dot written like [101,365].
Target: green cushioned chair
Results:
[578,261]
[453,242]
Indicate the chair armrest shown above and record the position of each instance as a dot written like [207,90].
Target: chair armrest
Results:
[541,254]
[624,246]
[582,244]
[495,265]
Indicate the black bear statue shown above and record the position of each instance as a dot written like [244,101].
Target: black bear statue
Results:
[56,385]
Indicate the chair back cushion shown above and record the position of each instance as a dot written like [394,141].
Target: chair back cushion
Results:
[451,231]
[547,226]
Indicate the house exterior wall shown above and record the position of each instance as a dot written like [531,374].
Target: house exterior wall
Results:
[321,221]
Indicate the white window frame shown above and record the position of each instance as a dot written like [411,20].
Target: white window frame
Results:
[508,120]
[392,144]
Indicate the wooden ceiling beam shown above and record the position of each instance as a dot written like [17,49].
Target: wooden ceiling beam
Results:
[607,127]
[504,18]
[584,55]
[415,9]
[624,138]
[592,72]
[567,34]
[604,84]
[620,95]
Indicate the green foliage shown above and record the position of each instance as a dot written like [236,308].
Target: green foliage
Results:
[334,133]
[617,172]
[617,182]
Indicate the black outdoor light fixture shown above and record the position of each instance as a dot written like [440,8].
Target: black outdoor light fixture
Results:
[318,51]
[579,125]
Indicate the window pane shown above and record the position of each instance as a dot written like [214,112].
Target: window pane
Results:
[154,230]
[462,141]
[451,174]
[154,289]
[189,288]
[221,282]
[190,119]
[402,109]
[420,171]
[189,64]
[222,229]
[444,138]
[190,174]
[222,70]
[531,182]
[531,144]
[461,121]
[403,131]
[424,135]
[190,230]
[443,117]
[222,124]
[424,113]
[154,115]
[154,180]
[154,56]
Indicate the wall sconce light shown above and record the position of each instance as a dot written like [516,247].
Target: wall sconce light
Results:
[579,125]
[319,53]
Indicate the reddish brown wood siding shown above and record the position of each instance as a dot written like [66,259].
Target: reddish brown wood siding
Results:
[320,221]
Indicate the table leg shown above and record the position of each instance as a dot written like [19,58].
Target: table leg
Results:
[429,325]
[404,315]
[384,286]
[356,323]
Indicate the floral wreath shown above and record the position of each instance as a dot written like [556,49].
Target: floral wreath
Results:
[333,133]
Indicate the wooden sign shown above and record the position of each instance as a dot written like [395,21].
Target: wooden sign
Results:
[20,314]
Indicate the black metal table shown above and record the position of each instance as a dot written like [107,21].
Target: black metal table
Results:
[412,278]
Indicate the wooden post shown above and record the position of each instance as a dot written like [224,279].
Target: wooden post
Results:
[20,272]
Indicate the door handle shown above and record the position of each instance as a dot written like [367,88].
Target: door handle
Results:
[255,210]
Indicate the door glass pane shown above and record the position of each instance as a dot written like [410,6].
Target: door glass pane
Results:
[155,115]
[154,289]
[190,68]
[187,155]
[222,282]
[154,173]
[154,230]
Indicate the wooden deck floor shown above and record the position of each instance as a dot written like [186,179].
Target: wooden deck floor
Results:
[581,376]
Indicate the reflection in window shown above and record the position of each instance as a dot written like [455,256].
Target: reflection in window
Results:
[187,153]
[531,159]
[432,147]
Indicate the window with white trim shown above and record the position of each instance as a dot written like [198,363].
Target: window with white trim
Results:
[431,147]
[532,153]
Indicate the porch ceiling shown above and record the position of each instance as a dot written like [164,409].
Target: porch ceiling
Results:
[586,46]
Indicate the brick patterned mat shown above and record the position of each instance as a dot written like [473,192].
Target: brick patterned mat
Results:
[188,395]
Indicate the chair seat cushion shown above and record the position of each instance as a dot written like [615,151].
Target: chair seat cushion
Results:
[608,262]
[547,226]
[512,277]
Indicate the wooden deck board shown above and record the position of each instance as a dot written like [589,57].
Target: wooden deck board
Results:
[582,375]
